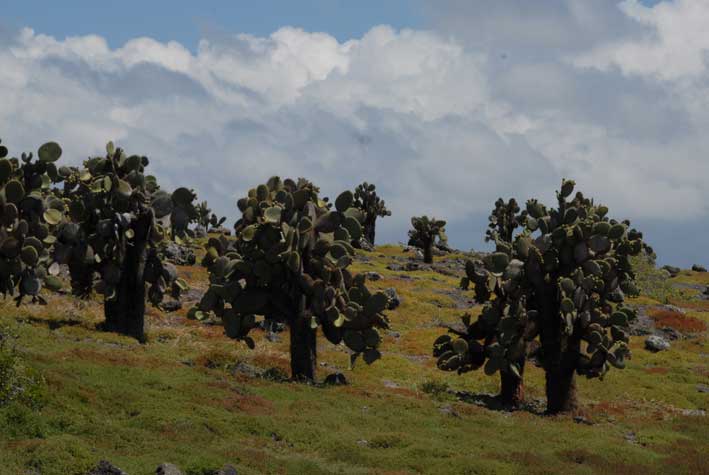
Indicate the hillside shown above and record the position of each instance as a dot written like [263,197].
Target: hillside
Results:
[192,397]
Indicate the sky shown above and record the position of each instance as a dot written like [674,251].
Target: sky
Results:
[446,105]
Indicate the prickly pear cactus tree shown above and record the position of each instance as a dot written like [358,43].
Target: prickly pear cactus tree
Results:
[373,207]
[504,220]
[564,279]
[205,217]
[474,344]
[28,213]
[424,234]
[184,211]
[289,263]
[111,229]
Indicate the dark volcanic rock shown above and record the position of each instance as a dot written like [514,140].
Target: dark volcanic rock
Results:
[656,343]
[336,379]
[672,270]
[178,254]
[168,469]
[394,299]
[105,468]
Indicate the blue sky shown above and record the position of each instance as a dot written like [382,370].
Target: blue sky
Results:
[188,21]
[474,100]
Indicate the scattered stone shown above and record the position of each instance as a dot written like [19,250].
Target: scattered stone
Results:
[227,470]
[247,369]
[272,337]
[698,268]
[170,305]
[582,420]
[656,343]
[394,299]
[191,295]
[395,267]
[389,384]
[702,388]
[221,230]
[106,468]
[365,245]
[394,334]
[631,437]
[672,308]
[706,291]
[274,374]
[449,411]
[373,276]
[671,333]
[694,412]
[672,270]
[336,379]
[178,254]
[168,469]
[200,233]
[362,443]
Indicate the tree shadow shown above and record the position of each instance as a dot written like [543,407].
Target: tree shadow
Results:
[494,403]
[52,324]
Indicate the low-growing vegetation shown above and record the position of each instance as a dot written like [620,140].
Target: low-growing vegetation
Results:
[88,373]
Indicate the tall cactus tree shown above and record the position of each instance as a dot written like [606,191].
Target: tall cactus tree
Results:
[111,229]
[28,213]
[373,207]
[562,280]
[289,263]
[424,234]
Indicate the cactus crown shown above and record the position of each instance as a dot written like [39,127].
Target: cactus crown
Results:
[568,271]
[290,260]
[426,229]
[206,218]
[366,199]
[109,209]
[29,212]
[503,220]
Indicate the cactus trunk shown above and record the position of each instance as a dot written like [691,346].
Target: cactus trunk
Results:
[560,354]
[126,312]
[512,388]
[428,251]
[82,276]
[369,229]
[561,390]
[303,347]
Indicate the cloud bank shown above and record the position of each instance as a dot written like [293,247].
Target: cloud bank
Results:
[494,99]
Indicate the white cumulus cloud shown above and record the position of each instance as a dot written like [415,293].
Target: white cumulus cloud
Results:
[495,99]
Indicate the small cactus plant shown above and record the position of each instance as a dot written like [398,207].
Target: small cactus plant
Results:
[373,207]
[424,234]
[184,211]
[206,218]
[289,263]
[561,280]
